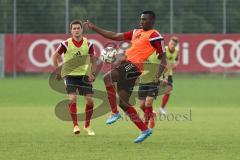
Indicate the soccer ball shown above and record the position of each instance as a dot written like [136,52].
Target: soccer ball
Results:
[108,55]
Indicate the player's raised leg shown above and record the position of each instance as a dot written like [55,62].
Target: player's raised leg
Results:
[132,113]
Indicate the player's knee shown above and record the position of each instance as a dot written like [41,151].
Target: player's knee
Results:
[142,105]
[148,104]
[170,88]
[73,99]
[89,101]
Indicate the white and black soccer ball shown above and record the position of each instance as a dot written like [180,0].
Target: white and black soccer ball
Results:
[108,55]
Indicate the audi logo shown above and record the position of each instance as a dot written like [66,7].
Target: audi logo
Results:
[49,51]
[219,53]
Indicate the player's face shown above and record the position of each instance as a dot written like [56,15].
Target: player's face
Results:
[76,30]
[146,22]
[172,45]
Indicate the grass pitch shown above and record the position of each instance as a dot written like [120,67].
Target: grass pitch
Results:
[31,130]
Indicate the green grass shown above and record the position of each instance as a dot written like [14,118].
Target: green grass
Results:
[30,129]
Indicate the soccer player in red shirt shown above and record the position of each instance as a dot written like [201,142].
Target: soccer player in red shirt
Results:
[144,42]
[172,59]
[78,53]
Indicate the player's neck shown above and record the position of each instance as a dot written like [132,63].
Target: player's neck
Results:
[171,50]
[147,29]
[78,38]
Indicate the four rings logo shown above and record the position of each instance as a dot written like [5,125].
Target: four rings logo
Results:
[219,53]
[49,51]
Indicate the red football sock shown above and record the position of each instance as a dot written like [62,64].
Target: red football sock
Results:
[143,108]
[112,98]
[148,114]
[135,118]
[73,112]
[89,112]
[165,100]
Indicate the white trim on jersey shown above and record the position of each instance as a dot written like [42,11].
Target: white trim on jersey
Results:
[65,81]
[90,44]
[163,47]
[63,43]
[156,38]
[134,31]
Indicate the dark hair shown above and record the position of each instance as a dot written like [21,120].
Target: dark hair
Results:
[174,39]
[76,22]
[151,13]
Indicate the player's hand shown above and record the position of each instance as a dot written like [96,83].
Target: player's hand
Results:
[175,65]
[156,80]
[164,82]
[58,74]
[89,24]
[91,78]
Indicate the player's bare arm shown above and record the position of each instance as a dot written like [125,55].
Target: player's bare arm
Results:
[162,66]
[105,33]
[167,71]
[56,60]
[159,46]
[176,63]
[93,72]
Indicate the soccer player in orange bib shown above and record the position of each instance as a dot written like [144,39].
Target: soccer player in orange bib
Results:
[144,42]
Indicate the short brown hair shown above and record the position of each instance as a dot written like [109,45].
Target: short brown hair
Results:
[76,22]
[174,39]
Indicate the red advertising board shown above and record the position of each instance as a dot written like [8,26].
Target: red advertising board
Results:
[197,52]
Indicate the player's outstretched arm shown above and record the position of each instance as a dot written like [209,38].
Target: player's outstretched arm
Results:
[105,33]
